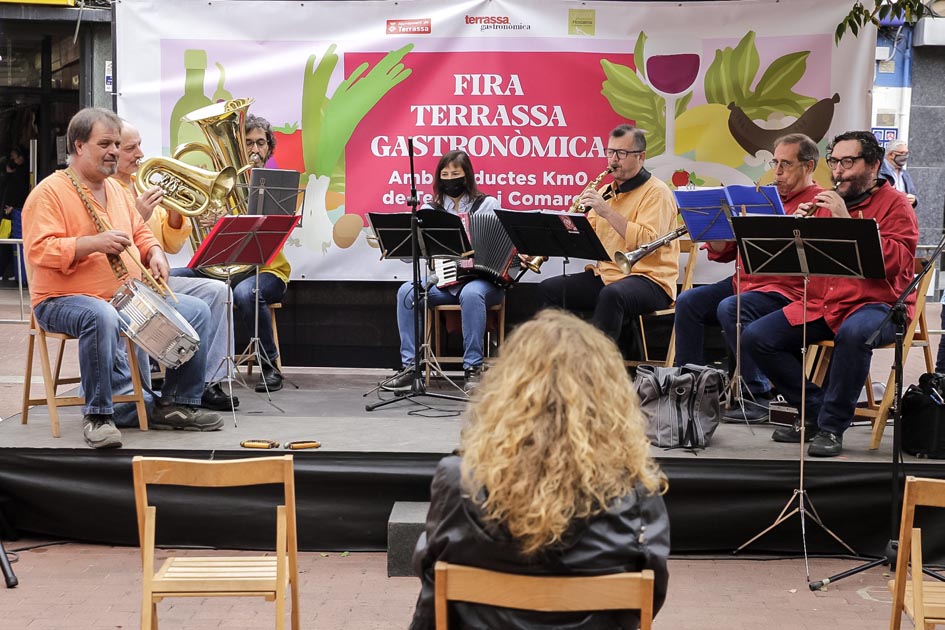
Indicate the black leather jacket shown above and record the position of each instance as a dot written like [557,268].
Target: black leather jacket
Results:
[631,536]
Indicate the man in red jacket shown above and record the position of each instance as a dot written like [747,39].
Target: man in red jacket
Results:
[840,309]
[795,158]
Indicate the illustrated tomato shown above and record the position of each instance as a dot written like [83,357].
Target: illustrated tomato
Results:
[680,179]
[288,153]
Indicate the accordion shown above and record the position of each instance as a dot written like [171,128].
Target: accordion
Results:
[493,253]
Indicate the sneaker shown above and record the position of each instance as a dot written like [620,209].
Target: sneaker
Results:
[471,377]
[185,418]
[746,412]
[792,434]
[100,431]
[400,382]
[825,444]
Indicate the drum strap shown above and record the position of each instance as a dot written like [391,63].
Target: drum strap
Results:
[118,266]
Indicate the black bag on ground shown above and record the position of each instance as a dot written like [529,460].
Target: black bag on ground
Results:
[923,417]
[682,404]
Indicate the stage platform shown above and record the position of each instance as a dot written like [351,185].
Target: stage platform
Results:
[718,498]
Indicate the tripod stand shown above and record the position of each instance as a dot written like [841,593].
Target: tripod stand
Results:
[8,576]
[435,233]
[772,245]
[897,314]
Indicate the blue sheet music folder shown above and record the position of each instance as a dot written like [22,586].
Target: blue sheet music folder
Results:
[707,212]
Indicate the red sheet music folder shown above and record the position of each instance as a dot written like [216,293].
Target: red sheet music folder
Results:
[244,240]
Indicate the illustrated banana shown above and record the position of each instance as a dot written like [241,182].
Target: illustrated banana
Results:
[813,123]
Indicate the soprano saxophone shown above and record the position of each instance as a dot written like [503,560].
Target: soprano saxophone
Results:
[534,263]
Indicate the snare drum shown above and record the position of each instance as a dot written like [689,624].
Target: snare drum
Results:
[155,325]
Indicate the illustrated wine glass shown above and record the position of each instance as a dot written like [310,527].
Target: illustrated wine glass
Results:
[671,69]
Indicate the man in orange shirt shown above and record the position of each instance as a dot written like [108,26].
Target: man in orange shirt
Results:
[74,279]
[637,209]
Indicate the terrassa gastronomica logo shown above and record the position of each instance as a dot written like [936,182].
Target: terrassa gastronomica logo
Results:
[496,23]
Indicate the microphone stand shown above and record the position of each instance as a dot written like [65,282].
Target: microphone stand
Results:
[417,387]
[897,314]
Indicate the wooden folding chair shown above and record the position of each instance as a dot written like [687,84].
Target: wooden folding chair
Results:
[267,576]
[495,320]
[618,591]
[923,601]
[52,379]
[686,246]
[917,336]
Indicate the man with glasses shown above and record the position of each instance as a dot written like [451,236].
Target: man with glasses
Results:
[273,278]
[894,170]
[795,158]
[844,310]
[633,210]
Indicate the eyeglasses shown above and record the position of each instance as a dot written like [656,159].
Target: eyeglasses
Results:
[262,142]
[785,164]
[620,153]
[846,162]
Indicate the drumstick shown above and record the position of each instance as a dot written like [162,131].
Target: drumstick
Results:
[158,282]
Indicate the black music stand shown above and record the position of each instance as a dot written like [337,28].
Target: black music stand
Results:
[274,191]
[549,233]
[707,214]
[245,240]
[808,247]
[423,233]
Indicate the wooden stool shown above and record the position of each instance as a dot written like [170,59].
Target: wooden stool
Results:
[52,380]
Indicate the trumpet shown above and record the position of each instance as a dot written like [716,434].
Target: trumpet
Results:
[626,260]
[534,263]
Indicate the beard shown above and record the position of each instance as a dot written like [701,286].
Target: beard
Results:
[857,186]
[108,168]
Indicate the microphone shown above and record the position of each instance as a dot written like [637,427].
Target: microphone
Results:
[431,280]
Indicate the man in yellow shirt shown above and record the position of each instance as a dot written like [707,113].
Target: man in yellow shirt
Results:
[171,231]
[633,210]
[75,275]
[273,278]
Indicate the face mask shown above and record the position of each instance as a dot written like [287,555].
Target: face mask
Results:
[453,187]
[901,159]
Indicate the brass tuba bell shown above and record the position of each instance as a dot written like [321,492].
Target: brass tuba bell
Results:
[190,190]
[222,125]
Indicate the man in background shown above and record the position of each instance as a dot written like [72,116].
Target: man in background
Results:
[893,169]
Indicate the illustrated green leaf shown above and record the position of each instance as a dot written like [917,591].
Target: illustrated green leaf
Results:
[638,58]
[683,103]
[314,102]
[745,61]
[633,99]
[732,72]
[783,74]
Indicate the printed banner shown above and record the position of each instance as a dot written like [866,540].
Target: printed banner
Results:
[529,88]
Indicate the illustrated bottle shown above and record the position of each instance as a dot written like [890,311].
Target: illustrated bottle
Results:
[195,69]
[222,94]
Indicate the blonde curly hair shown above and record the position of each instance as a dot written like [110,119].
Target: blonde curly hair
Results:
[555,431]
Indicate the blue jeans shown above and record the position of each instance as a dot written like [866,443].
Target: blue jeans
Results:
[271,290]
[103,363]
[214,293]
[473,298]
[775,346]
[755,305]
[696,309]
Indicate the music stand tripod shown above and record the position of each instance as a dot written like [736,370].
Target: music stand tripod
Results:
[897,314]
[246,240]
[423,233]
[8,576]
[802,247]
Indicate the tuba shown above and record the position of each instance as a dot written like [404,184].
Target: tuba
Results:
[222,125]
[189,190]
[534,263]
